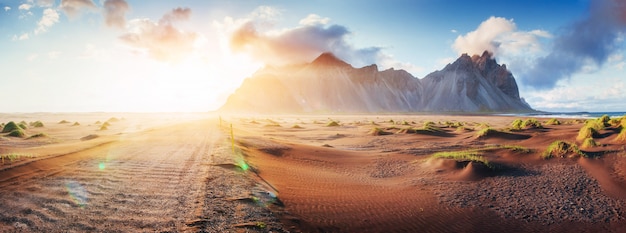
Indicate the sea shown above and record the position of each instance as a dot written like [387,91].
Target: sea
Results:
[587,115]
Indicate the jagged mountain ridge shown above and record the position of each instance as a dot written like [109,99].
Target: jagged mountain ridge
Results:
[330,85]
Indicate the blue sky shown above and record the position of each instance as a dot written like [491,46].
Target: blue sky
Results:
[130,55]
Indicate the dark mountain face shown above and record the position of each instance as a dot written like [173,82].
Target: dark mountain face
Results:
[330,85]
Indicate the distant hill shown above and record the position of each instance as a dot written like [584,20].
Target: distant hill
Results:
[330,85]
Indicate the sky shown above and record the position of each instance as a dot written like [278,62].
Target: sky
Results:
[189,56]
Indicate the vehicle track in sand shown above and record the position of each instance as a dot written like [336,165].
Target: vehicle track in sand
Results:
[157,180]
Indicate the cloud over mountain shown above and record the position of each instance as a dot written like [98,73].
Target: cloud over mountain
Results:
[258,36]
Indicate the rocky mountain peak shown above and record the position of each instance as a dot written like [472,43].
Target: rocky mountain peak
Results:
[329,59]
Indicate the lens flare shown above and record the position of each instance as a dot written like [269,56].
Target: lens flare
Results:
[77,192]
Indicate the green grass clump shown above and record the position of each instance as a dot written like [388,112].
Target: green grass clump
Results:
[10,127]
[562,149]
[604,120]
[63,122]
[377,132]
[485,132]
[332,124]
[37,124]
[9,158]
[553,121]
[586,132]
[39,135]
[467,155]
[104,127]
[19,133]
[404,123]
[517,124]
[531,124]
[296,127]
[76,124]
[588,143]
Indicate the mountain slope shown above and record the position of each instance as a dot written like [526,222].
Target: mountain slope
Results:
[330,85]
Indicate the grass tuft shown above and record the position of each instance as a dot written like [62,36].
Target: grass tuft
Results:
[332,124]
[63,122]
[39,135]
[10,127]
[485,132]
[531,124]
[37,124]
[19,133]
[585,132]
[377,132]
[553,121]
[467,155]
[517,124]
[296,127]
[588,143]
[562,149]
[621,137]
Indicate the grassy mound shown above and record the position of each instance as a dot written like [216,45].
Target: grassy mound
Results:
[377,132]
[63,122]
[553,121]
[588,143]
[10,127]
[586,132]
[332,124]
[39,135]
[517,124]
[19,133]
[531,124]
[37,124]
[486,132]
[562,149]
[296,127]
[104,127]
[76,124]
[469,155]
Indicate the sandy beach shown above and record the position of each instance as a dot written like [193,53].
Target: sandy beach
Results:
[362,173]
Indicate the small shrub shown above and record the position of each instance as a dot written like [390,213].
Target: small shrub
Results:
[377,132]
[485,132]
[586,132]
[10,127]
[562,149]
[17,133]
[332,124]
[604,120]
[76,124]
[553,121]
[22,125]
[104,127]
[588,143]
[404,123]
[63,122]
[469,155]
[39,135]
[531,124]
[296,127]
[37,124]
[517,124]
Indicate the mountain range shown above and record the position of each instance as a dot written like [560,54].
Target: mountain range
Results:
[476,84]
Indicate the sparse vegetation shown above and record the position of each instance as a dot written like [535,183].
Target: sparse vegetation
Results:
[377,132]
[588,143]
[332,124]
[467,155]
[11,157]
[404,123]
[562,149]
[10,127]
[604,120]
[531,123]
[19,133]
[296,127]
[485,132]
[553,121]
[39,135]
[585,132]
[76,124]
[104,127]
[36,124]
[63,122]
[516,124]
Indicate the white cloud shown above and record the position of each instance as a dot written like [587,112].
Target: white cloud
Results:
[163,40]
[313,19]
[73,8]
[115,13]
[7,8]
[24,36]
[454,31]
[44,3]
[499,36]
[257,36]
[25,7]
[49,18]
